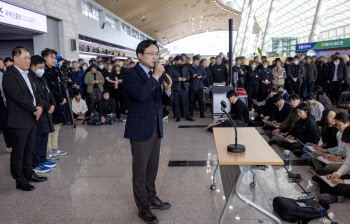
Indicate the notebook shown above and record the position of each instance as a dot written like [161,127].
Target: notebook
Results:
[269,123]
[324,178]
[326,161]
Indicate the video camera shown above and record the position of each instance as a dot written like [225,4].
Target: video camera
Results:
[65,72]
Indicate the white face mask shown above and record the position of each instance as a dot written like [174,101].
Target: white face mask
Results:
[336,62]
[296,62]
[253,66]
[40,72]
[101,67]
[85,67]
[265,66]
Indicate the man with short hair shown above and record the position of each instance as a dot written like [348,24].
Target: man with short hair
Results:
[219,72]
[281,110]
[336,76]
[283,92]
[295,75]
[24,108]
[78,77]
[322,73]
[239,110]
[80,61]
[241,71]
[265,75]
[310,77]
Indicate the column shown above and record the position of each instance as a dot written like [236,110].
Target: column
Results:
[241,29]
[268,26]
[249,29]
[316,25]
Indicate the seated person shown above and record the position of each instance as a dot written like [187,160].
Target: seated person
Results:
[79,107]
[340,178]
[281,110]
[342,121]
[329,132]
[316,107]
[107,108]
[322,97]
[343,100]
[284,92]
[305,130]
[265,111]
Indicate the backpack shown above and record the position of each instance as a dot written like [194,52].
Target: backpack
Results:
[290,211]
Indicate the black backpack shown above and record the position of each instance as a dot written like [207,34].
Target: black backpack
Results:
[290,211]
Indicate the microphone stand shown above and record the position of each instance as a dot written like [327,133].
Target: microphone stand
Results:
[235,148]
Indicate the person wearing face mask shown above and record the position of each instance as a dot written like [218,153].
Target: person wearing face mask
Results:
[336,76]
[45,123]
[265,75]
[94,81]
[252,78]
[84,67]
[180,76]
[347,65]
[242,72]
[295,75]
[310,77]
[59,64]
[322,73]
[80,62]
[79,77]
[101,66]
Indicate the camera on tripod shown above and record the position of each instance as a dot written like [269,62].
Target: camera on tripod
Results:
[65,72]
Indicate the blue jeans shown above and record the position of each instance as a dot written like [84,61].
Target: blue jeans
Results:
[39,153]
[107,118]
[342,98]
[307,87]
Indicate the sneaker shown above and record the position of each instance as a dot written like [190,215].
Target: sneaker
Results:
[49,164]
[58,152]
[328,198]
[9,150]
[51,156]
[41,169]
[166,117]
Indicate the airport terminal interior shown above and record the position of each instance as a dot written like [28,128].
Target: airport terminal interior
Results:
[174,112]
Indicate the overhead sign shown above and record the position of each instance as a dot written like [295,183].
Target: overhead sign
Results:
[323,45]
[21,17]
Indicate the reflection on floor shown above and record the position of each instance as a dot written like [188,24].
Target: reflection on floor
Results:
[93,183]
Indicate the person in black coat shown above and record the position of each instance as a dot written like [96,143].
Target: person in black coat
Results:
[295,75]
[239,110]
[219,71]
[208,82]
[45,122]
[241,71]
[265,111]
[265,75]
[252,81]
[197,75]
[107,108]
[336,76]
[24,108]
[322,70]
[58,90]
[281,109]
[180,76]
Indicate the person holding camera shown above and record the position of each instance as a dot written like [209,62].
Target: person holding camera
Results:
[94,81]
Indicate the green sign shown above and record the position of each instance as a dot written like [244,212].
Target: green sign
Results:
[332,44]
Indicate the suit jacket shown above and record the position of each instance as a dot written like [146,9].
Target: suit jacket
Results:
[45,122]
[281,115]
[19,99]
[108,108]
[196,83]
[144,100]
[175,75]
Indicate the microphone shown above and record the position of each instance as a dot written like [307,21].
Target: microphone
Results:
[163,75]
[235,148]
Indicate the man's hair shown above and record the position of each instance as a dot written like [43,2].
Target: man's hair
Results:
[307,57]
[263,57]
[277,97]
[17,51]
[238,58]
[178,58]
[310,96]
[255,57]
[47,52]
[37,59]
[195,58]
[321,57]
[77,93]
[141,47]
[346,135]
[131,62]
[60,59]
[273,90]
[98,57]
[218,56]
[231,93]
[202,60]
[92,60]
[93,66]
[184,55]
[80,59]
[212,58]
[304,107]
[188,58]
[74,62]
[296,57]
[280,87]
[104,92]
[101,62]
[294,97]
[342,117]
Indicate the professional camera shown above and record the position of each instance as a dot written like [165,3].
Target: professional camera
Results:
[65,72]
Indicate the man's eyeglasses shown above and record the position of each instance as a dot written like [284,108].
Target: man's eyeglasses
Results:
[153,54]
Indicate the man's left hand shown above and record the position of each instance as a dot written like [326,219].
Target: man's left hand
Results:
[166,85]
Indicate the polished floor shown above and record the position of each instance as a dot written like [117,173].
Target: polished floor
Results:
[92,185]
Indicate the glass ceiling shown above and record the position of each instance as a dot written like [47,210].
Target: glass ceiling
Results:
[294,18]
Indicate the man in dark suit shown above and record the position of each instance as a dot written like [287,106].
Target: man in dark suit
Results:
[24,109]
[180,76]
[144,125]
[281,109]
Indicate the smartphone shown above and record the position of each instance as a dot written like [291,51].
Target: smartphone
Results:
[294,175]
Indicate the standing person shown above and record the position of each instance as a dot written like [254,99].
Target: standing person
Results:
[346,61]
[8,62]
[219,72]
[120,92]
[309,78]
[58,90]
[144,126]
[295,75]
[197,75]
[79,77]
[278,75]
[180,76]
[336,76]
[94,81]
[265,76]
[209,81]
[241,71]
[45,122]
[252,83]
[322,73]
[212,63]
[24,109]
[111,81]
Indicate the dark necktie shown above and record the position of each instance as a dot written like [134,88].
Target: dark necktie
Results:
[150,73]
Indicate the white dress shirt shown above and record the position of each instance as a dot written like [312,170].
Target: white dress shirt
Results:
[25,76]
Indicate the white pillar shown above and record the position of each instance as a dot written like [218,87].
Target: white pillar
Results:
[249,29]
[316,25]
[268,26]
[241,29]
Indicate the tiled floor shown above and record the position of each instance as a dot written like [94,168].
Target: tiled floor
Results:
[93,183]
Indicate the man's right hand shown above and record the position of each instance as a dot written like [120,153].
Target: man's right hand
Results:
[332,176]
[158,71]
[52,108]
[295,79]
[63,102]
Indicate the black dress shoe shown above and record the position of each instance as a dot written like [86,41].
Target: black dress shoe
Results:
[202,116]
[189,119]
[36,178]
[25,187]
[298,153]
[146,215]
[156,203]
[177,119]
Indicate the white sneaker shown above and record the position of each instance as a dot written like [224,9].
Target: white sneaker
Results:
[165,118]
[9,150]
[58,152]
[51,156]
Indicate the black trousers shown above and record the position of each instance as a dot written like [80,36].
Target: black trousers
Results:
[39,154]
[193,97]
[23,140]
[294,87]
[252,94]
[262,91]
[145,161]
[122,101]
[335,91]
[181,104]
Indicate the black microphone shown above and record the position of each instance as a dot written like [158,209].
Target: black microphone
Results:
[163,75]
[235,148]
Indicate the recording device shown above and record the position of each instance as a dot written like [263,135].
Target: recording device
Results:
[163,75]
[65,71]
[235,148]
[294,175]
